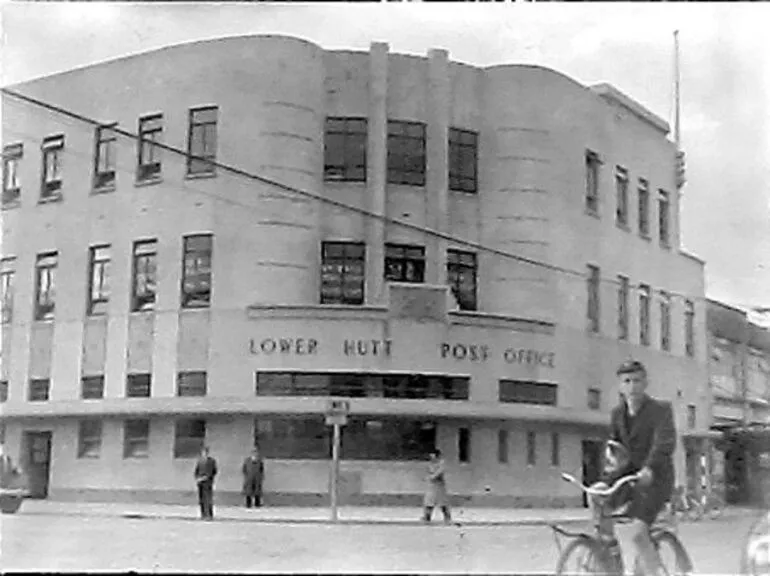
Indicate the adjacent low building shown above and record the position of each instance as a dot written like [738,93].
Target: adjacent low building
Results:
[471,253]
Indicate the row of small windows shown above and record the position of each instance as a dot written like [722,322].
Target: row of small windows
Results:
[645,304]
[308,438]
[622,202]
[345,142]
[342,275]
[351,385]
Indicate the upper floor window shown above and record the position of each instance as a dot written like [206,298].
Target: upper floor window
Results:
[53,152]
[594,305]
[404,263]
[92,387]
[202,140]
[665,321]
[3,391]
[196,281]
[691,416]
[644,208]
[150,134]
[45,285]
[7,273]
[622,307]
[342,272]
[39,390]
[345,149]
[594,398]
[12,156]
[191,384]
[463,160]
[644,315]
[138,385]
[526,392]
[621,191]
[461,275]
[689,328]
[144,275]
[104,165]
[406,153]
[99,280]
[663,218]
[593,163]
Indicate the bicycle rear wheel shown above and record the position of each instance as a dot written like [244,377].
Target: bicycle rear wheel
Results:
[675,559]
[583,556]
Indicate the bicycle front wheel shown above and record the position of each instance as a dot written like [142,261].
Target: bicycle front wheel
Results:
[675,559]
[583,556]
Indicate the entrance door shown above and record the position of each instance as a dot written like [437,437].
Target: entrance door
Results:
[592,462]
[37,464]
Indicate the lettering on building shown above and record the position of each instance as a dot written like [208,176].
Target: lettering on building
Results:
[367,347]
[296,346]
[472,352]
[530,357]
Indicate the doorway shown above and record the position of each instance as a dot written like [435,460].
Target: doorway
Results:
[37,462]
[592,464]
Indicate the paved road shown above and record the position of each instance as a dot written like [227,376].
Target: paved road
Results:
[70,543]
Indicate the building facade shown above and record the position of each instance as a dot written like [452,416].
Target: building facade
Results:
[208,242]
[739,375]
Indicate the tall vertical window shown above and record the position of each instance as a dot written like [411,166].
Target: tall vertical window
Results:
[345,149]
[644,315]
[594,399]
[555,449]
[342,272]
[45,285]
[202,141]
[594,304]
[692,419]
[7,273]
[406,153]
[3,391]
[404,263]
[105,161]
[144,282]
[621,192]
[136,439]
[593,164]
[531,448]
[464,444]
[622,308]
[53,152]
[99,280]
[463,160]
[89,438]
[196,275]
[665,320]
[644,207]
[689,328]
[502,446]
[663,218]
[12,156]
[461,275]
[189,437]
[149,154]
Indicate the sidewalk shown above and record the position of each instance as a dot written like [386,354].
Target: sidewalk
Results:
[311,515]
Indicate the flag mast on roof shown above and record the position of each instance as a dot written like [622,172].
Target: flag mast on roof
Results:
[680,167]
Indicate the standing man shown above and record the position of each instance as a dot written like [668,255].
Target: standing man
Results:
[205,471]
[644,426]
[436,492]
[253,472]
[9,473]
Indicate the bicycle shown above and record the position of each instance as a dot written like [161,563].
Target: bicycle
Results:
[602,554]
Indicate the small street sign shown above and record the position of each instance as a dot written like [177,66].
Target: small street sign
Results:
[336,419]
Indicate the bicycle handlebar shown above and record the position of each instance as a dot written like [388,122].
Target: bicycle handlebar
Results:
[601,491]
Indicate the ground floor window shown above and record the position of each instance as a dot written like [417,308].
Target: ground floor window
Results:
[189,437]
[89,438]
[136,439]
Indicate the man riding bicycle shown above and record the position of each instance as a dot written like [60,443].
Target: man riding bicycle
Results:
[644,427]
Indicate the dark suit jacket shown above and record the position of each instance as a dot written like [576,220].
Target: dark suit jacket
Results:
[650,441]
[206,468]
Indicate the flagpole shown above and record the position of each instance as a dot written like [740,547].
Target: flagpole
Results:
[677,133]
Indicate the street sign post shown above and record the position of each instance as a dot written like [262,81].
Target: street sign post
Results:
[336,415]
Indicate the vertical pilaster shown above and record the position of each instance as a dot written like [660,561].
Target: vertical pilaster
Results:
[437,163]
[376,172]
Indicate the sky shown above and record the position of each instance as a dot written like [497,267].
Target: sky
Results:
[725,79]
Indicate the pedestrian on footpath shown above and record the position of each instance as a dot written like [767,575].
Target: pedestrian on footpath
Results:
[253,470]
[205,472]
[436,492]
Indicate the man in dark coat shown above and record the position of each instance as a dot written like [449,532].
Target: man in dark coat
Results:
[205,472]
[645,427]
[253,472]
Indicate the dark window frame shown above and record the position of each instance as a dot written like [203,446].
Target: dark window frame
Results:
[621,196]
[459,262]
[52,152]
[301,437]
[188,439]
[664,218]
[139,385]
[7,277]
[406,156]
[144,265]
[643,191]
[531,392]
[3,391]
[592,164]
[407,261]
[46,266]
[92,387]
[645,309]
[555,449]
[594,399]
[39,390]
[197,264]
[136,438]
[593,308]
[464,449]
[90,432]
[336,265]
[665,321]
[192,383]
[623,312]
[463,153]
[105,157]
[99,264]
[689,328]
[12,157]
[353,142]
[388,439]
[202,162]
[503,446]
[148,153]
[692,416]
[531,448]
